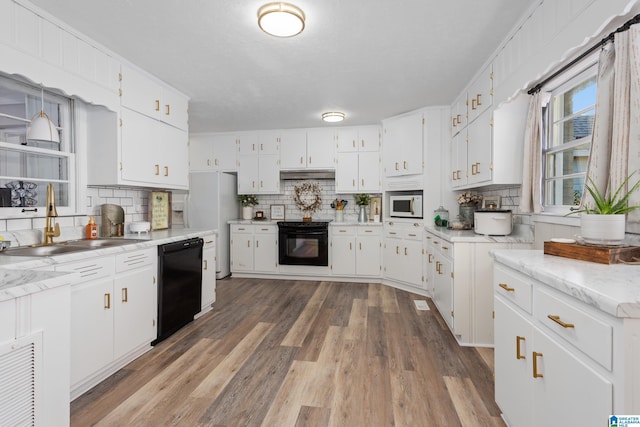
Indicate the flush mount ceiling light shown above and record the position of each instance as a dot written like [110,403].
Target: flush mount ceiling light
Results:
[41,127]
[333,116]
[281,19]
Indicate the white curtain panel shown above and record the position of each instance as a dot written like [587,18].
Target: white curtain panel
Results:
[531,199]
[633,150]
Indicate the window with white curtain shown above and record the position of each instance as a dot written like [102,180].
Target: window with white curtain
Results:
[566,139]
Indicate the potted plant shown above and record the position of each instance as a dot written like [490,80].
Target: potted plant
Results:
[604,223]
[248,201]
[468,204]
[362,200]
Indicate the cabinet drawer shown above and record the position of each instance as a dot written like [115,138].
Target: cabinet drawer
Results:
[241,228]
[209,241]
[343,231]
[369,231]
[93,268]
[262,229]
[588,333]
[135,259]
[514,287]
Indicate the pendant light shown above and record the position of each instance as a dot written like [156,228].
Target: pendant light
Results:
[333,116]
[41,127]
[281,19]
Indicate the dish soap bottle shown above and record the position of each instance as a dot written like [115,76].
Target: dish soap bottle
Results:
[91,231]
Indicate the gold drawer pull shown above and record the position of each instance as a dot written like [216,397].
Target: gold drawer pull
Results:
[107,301]
[518,354]
[560,322]
[535,365]
[125,295]
[506,287]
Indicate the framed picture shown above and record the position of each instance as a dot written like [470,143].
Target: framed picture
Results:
[277,212]
[160,210]
[491,202]
[375,209]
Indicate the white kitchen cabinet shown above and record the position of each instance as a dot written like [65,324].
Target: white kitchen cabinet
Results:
[459,114]
[312,148]
[479,148]
[356,251]
[208,273]
[213,152]
[254,248]
[358,172]
[146,95]
[480,93]
[443,284]
[113,314]
[458,173]
[364,138]
[258,174]
[403,254]
[402,146]
[544,372]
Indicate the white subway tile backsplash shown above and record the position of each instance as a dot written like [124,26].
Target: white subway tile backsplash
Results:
[19,224]
[105,192]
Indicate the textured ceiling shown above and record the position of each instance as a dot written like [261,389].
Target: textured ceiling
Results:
[371,59]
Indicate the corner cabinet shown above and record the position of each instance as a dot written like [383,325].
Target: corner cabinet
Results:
[559,361]
[402,145]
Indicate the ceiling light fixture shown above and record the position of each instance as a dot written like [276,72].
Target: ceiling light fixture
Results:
[281,19]
[333,116]
[41,127]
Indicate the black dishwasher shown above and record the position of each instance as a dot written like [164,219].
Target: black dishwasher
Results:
[179,285]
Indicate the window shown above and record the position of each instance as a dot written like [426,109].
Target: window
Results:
[568,124]
[26,167]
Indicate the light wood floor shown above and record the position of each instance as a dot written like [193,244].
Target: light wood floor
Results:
[297,353]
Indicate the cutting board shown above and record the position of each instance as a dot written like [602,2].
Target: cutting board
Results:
[599,254]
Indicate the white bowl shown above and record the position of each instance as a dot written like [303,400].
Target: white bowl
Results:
[139,227]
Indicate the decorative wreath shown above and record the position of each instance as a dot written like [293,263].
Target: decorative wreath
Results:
[307,196]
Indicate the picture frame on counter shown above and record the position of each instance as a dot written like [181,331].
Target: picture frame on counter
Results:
[160,210]
[491,202]
[277,212]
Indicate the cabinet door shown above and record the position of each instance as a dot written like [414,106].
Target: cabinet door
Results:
[173,146]
[480,93]
[293,150]
[443,288]
[225,148]
[208,272]
[269,174]
[563,375]
[343,255]
[347,173]
[321,149]
[347,140]
[268,142]
[140,93]
[266,249]
[135,308]
[201,156]
[248,177]
[479,149]
[174,108]
[241,252]
[248,143]
[136,148]
[369,172]
[411,257]
[403,145]
[368,138]
[459,160]
[92,314]
[368,255]
[392,264]
[513,364]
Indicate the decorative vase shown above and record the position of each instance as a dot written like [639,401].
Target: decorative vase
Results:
[466,212]
[339,215]
[362,215]
[602,229]
[247,212]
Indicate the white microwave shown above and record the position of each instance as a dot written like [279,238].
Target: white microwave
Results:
[406,206]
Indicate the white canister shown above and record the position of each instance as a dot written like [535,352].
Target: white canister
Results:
[493,222]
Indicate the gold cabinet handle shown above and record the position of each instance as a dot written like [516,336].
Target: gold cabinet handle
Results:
[309,159]
[360,245]
[560,322]
[506,287]
[301,160]
[362,143]
[519,355]
[397,166]
[458,174]
[536,374]
[107,301]
[125,295]
[453,175]
[473,104]
[362,182]
[353,143]
[397,250]
[248,243]
[257,243]
[167,110]
[157,105]
[405,252]
[353,182]
[478,103]
[206,265]
[350,246]
[430,258]
[474,169]
[404,164]
[453,122]
[166,171]
[458,119]
[157,169]
[446,248]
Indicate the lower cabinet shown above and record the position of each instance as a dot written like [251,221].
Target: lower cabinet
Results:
[254,248]
[552,372]
[208,273]
[113,314]
[403,254]
[356,251]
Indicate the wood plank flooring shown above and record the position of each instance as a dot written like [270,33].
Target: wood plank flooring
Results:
[299,353]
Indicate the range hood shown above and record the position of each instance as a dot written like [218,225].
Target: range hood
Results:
[307,174]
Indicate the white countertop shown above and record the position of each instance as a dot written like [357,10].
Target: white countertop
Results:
[613,289]
[520,234]
[19,277]
[331,223]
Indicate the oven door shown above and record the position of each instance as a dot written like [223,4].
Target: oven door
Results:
[303,245]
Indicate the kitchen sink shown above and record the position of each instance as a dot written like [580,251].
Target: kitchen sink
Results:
[68,247]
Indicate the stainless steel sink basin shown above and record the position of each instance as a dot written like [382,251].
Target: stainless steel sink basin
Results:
[68,247]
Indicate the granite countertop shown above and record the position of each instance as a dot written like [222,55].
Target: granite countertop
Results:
[520,234]
[613,289]
[20,275]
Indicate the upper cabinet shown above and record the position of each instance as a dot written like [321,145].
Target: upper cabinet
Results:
[365,138]
[258,162]
[402,145]
[141,93]
[358,160]
[213,152]
[480,93]
[307,149]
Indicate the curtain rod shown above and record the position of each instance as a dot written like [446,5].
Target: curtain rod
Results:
[625,27]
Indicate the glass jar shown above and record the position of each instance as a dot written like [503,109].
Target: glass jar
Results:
[441,216]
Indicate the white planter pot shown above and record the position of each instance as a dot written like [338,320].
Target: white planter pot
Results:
[602,229]
[247,212]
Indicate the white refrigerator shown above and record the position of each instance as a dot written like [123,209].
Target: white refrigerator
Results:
[211,202]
